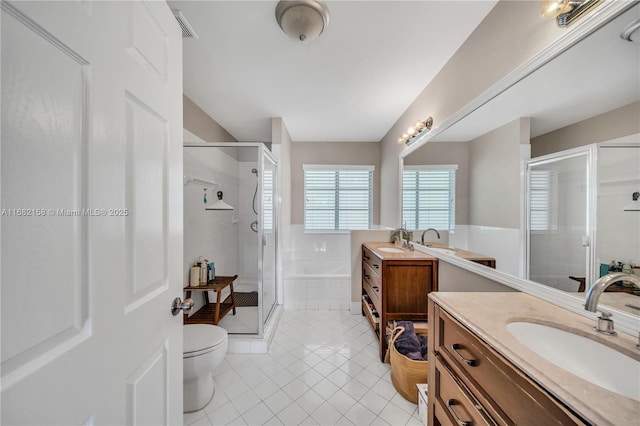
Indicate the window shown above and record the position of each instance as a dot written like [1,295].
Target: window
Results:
[267,199]
[337,197]
[428,197]
[543,200]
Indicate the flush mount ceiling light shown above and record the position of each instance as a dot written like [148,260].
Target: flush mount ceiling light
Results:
[302,20]
[566,11]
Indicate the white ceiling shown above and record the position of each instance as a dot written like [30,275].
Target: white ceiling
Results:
[350,84]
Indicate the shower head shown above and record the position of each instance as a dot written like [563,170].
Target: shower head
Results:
[255,172]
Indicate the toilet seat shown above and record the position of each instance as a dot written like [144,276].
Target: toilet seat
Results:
[200,339]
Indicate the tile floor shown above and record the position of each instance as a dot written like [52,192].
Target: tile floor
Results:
[322,369]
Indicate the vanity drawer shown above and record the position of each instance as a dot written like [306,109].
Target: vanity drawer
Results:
[454,405]
[506,393]
[373,287]
[371,260]
[371,276]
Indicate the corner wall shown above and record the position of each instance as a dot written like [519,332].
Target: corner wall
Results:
[201,124]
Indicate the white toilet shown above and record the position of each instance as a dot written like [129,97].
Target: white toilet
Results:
[204,349]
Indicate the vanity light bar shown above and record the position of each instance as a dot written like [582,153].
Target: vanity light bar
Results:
[414,132]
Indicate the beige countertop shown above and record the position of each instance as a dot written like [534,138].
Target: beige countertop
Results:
[416,254]
[463,254]
[404,255]
[487,316]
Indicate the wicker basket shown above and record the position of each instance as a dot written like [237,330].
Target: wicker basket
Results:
[406,372]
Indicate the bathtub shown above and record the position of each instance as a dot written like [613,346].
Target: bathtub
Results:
[318,284]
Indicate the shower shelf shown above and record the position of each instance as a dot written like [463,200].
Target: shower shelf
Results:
[212,313]
[208,184]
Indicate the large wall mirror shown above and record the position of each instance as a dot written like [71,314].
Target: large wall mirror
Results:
[581,106]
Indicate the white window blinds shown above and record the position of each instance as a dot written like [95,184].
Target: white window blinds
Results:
[337,197]
[267,199]
[428,197]
[543,200]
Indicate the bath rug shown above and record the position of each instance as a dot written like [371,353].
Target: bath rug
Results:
[244,299]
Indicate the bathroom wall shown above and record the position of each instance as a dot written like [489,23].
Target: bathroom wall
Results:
[618,230]
[558,254]
[454,278]
[349,153]
[201,124]
[511,34]
[248,240]
[620,122]
[319,249]
[281,148]
[212,234]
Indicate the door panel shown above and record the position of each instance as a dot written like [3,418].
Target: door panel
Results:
[92,213]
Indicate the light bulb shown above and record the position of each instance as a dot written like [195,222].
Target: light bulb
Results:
[411,131]
[550,9]
[405,136]
[400,140]
[419,125]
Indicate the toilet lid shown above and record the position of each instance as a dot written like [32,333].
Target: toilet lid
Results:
[197,337]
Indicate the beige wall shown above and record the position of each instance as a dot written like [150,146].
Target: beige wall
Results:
[510,35]
[613,124]
[201,124]
[494,175]
[449,153]
[454,278]
[346,153]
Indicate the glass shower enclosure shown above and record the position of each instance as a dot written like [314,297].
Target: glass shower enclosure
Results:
[239,241]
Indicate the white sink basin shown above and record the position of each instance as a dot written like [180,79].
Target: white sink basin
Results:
[391,250]
[586,358]
[444,250]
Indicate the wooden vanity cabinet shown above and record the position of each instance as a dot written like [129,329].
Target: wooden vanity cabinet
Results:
[397,288]
[470,382]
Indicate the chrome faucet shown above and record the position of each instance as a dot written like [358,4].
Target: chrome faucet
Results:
[402,231]
[604,323]
[425,231]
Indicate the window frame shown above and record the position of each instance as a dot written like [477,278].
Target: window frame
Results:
[336,193]
[452,169]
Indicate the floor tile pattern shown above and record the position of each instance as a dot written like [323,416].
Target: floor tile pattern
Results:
[322,369]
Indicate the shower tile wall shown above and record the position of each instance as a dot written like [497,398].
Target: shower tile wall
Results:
[248,254]
[212,234]
[618,230]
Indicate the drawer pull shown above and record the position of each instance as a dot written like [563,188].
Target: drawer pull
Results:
[471,362]
[375,265]
[450,404]
[366,257]
[366,276]
[375,287]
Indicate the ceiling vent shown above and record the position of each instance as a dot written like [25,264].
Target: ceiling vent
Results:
[187,29]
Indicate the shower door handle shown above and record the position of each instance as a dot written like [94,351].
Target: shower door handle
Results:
[264,240]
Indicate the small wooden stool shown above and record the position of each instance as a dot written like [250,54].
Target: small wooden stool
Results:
[212,313]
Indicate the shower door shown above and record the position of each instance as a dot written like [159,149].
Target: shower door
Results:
[268,229]
[560,194]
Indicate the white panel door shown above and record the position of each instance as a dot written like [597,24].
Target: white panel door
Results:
[91,213]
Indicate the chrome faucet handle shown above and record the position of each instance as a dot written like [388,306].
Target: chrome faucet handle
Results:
[604,323]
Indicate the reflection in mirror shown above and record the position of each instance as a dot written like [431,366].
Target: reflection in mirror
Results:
[557,220]
[589,94]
